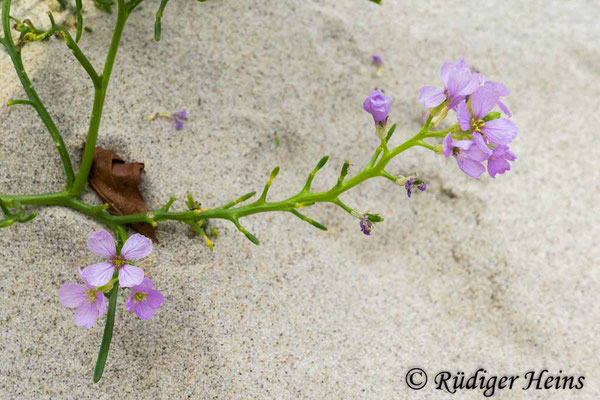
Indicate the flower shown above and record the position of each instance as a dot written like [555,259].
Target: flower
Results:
[179,117]
[135,248]
[366,226]
[498,161]
[469,154]
[144,300]
[88,302]
[459,82]
[410,184]
[378,105]
[497,132]
[377,61]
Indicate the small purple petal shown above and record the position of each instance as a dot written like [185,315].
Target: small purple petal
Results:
[504,108]
[470,167]
[143,310]
[447,145]
[71,295]
[475,81]
[431,96]
[155,299]
[377,60]
[129,303]
[483,100]
[379,106]
[458,79]
[102,243]
[178,124]
[143,287]
[86,315]
[98,274]
[101,303]
[500,131]
[130,275]
[464,116]
[480,150]
[497,166]
[366,226]
[136,247]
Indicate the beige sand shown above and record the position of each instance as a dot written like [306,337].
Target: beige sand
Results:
[499,274]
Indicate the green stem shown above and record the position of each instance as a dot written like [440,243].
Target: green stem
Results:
[108,333]
[99,97]
[110,316]
[15,56]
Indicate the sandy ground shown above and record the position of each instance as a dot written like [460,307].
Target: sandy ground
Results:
[499,274]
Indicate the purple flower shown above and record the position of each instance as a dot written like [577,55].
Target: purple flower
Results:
[366,226]
[377,60]
[102,243]
[502,91]
[469,154]
[88,302]
[498,163]
[179,117]
[378,105]
[498,132]
[459,82]
[144,300]
[410,184]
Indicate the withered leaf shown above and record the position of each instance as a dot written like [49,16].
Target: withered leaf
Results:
[117,183]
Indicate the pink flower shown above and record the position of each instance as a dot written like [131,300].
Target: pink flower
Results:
[498,163]
[459,82]
[469,154]
[144,300]
[498,132]
[102,243]
[88,302]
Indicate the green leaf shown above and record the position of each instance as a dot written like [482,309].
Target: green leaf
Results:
[79,7]
[108,333]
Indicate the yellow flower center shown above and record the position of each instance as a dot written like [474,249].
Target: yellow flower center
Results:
[91,293]
[477,124]
[118,262]
[140,296]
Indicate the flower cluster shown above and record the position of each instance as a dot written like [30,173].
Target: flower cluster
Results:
[481,134]
[90,300]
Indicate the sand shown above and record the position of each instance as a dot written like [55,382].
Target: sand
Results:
[499,274]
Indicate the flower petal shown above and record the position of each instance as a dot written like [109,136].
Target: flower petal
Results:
[483,100]
[155,299]
[129,303]
[497,166]
[476,80]
[71,295]
[101,303]
[136,247]
[86,315]
[464,116]
[102,243]
[499,131]
[447,145]
[479,151]
[130,275]
[143,310]
[431,96]
[98,274]
[470,167]
[458,79]
[504,108]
